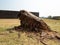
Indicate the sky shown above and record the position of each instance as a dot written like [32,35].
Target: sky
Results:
[44,7]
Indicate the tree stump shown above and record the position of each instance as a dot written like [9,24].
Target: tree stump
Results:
[32,23]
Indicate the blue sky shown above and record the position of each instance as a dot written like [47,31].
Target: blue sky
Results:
[44,7]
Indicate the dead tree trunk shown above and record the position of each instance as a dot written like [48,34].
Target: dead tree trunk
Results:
[36,24]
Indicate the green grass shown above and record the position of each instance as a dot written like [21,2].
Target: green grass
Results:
[25,38]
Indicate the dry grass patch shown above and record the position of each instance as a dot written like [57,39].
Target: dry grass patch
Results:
[25,39]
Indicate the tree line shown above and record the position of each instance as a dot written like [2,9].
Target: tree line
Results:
[52,17]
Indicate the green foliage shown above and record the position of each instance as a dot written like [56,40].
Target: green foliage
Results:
[49,17]
[56,17]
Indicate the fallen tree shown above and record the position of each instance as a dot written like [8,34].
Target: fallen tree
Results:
[32,23]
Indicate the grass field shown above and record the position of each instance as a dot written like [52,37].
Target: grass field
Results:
[12,38]
[53,24]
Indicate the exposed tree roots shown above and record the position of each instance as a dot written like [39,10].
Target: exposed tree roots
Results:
[42,35]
